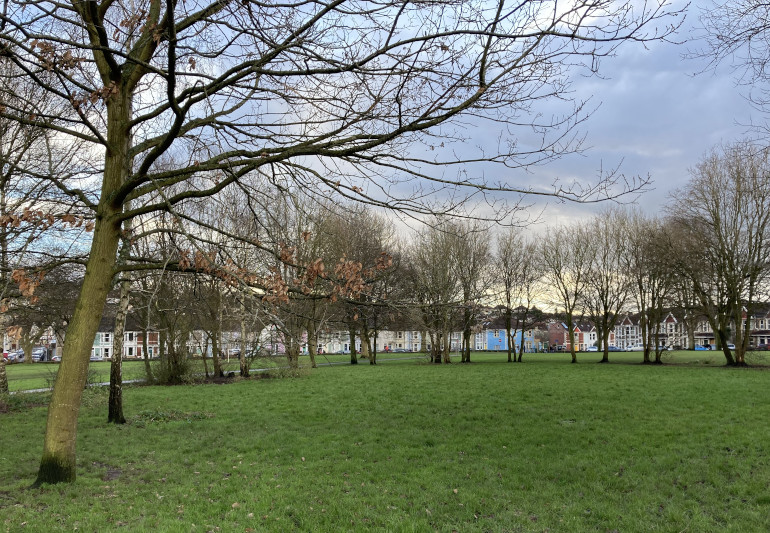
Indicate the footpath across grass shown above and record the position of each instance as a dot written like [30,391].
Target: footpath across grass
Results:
[409,446]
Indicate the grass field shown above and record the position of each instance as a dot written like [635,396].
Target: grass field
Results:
[41,375]
[408,446]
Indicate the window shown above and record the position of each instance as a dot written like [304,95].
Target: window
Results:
[107,351]
[130,351]
[130,336]
[496,333]
[400,335]
[106,338]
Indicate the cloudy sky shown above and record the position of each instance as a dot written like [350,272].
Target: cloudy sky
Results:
[658,116]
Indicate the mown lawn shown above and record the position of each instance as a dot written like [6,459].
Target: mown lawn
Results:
[408,446]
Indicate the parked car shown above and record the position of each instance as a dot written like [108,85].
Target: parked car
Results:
[613,349]
[95,357]
[762,347]
[731,346]
[56,358]
[39,353]
[635,348]
[592,349]
[702,347]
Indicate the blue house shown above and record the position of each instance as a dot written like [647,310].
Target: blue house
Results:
[494,339]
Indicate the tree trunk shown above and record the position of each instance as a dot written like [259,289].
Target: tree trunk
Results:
[373,353]
[353,358]
[58,463]
[3,377]
[115,404]
[447,347]
[571,336]
[292,353]
[205,357]
[244,365]
[312,342]
[365,341]
[508,333]
[146,357]
[605,345]
[311,351]
[466,345]
[218,372]
[26,344]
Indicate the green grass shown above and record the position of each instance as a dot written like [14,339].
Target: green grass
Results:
[407,446]
[41,375]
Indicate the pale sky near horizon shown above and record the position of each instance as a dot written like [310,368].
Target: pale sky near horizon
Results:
[658,116]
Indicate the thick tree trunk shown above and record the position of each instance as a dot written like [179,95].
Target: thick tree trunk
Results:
[26,345]
[292,354]
[447,347]
[115,404]
[365,341]
[218,372]
[58,462]
[3,377]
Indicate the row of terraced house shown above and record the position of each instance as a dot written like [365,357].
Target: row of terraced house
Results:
[673,332]
[489,335]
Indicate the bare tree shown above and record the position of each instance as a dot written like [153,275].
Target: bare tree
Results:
[608,282]
[567,252]
[519,272]
[471,266]
[737,32]
[648,267]
[718,237]
[435,285]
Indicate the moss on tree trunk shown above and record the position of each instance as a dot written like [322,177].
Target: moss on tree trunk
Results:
[58,461]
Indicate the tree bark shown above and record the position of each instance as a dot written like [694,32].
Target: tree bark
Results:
[508,332]
[605,345]
[447,347]
[205,358]
[218,372]
[571,336]
[3,377]
[353,358]
[373,353]
[146,357]
[466,344]
[58,463]
[115,404]
[312,342]
[242,359]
